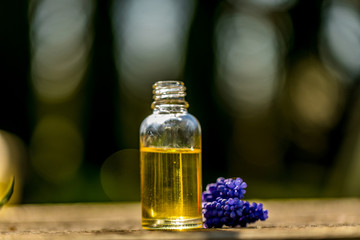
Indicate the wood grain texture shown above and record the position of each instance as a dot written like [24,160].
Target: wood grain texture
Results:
[288,219]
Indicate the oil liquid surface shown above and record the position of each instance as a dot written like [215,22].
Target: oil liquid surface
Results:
[171,188]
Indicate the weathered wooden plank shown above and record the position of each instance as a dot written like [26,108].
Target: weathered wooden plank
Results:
[288,219]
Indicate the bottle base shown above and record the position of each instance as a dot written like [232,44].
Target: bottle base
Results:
[172,224]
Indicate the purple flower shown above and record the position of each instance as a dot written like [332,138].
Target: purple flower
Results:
[222,205]
[224,188]
[219,213]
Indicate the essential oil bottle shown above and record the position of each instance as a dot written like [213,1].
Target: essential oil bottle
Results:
[170,150]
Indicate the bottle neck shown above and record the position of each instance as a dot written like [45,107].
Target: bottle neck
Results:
[169,97]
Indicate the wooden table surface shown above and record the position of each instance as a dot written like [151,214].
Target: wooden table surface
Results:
[288,219]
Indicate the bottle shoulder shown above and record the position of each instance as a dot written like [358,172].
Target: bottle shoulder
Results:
[171,119]
[170,131]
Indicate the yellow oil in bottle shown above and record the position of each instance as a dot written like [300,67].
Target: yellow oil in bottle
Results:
[171,188]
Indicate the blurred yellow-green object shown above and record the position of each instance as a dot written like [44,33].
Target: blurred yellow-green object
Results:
[12,166]
[6,190]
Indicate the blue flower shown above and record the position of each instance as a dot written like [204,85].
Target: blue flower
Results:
[232,212]
[225,188]
[222,205]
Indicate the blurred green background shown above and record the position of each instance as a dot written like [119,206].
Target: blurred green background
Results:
[274,84]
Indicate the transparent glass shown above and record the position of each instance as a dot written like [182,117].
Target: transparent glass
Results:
[170,150]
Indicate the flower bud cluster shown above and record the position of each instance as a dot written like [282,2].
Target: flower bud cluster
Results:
[222,205]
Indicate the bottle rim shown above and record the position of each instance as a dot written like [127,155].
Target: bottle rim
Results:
[169,94]
[166,83]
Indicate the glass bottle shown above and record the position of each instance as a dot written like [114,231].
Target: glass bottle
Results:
[170,150]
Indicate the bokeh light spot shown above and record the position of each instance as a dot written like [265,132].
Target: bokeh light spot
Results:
[150,41]
[315,95]
[340,37]
[120,176]
[247,62]
[56,149]
[60,43]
